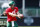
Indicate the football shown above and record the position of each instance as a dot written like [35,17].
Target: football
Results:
[21,16]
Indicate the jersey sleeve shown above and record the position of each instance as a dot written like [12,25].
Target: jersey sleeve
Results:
[16,9]
[7,10]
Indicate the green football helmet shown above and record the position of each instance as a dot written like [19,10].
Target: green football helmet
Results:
[11,3]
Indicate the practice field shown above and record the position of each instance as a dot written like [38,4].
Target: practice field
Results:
[29,26]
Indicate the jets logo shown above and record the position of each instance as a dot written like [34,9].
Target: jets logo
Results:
[14,11]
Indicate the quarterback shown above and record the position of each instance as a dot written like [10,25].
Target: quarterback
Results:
[12,13]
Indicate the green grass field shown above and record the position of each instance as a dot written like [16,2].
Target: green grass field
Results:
[29,26]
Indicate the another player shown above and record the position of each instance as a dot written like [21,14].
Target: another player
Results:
[12,13]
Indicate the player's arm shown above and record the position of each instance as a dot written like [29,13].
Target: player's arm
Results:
[4,14]
[13,15]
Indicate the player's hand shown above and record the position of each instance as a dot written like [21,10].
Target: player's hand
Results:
[20,16]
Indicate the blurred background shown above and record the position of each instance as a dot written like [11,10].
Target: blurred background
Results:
[29,8]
